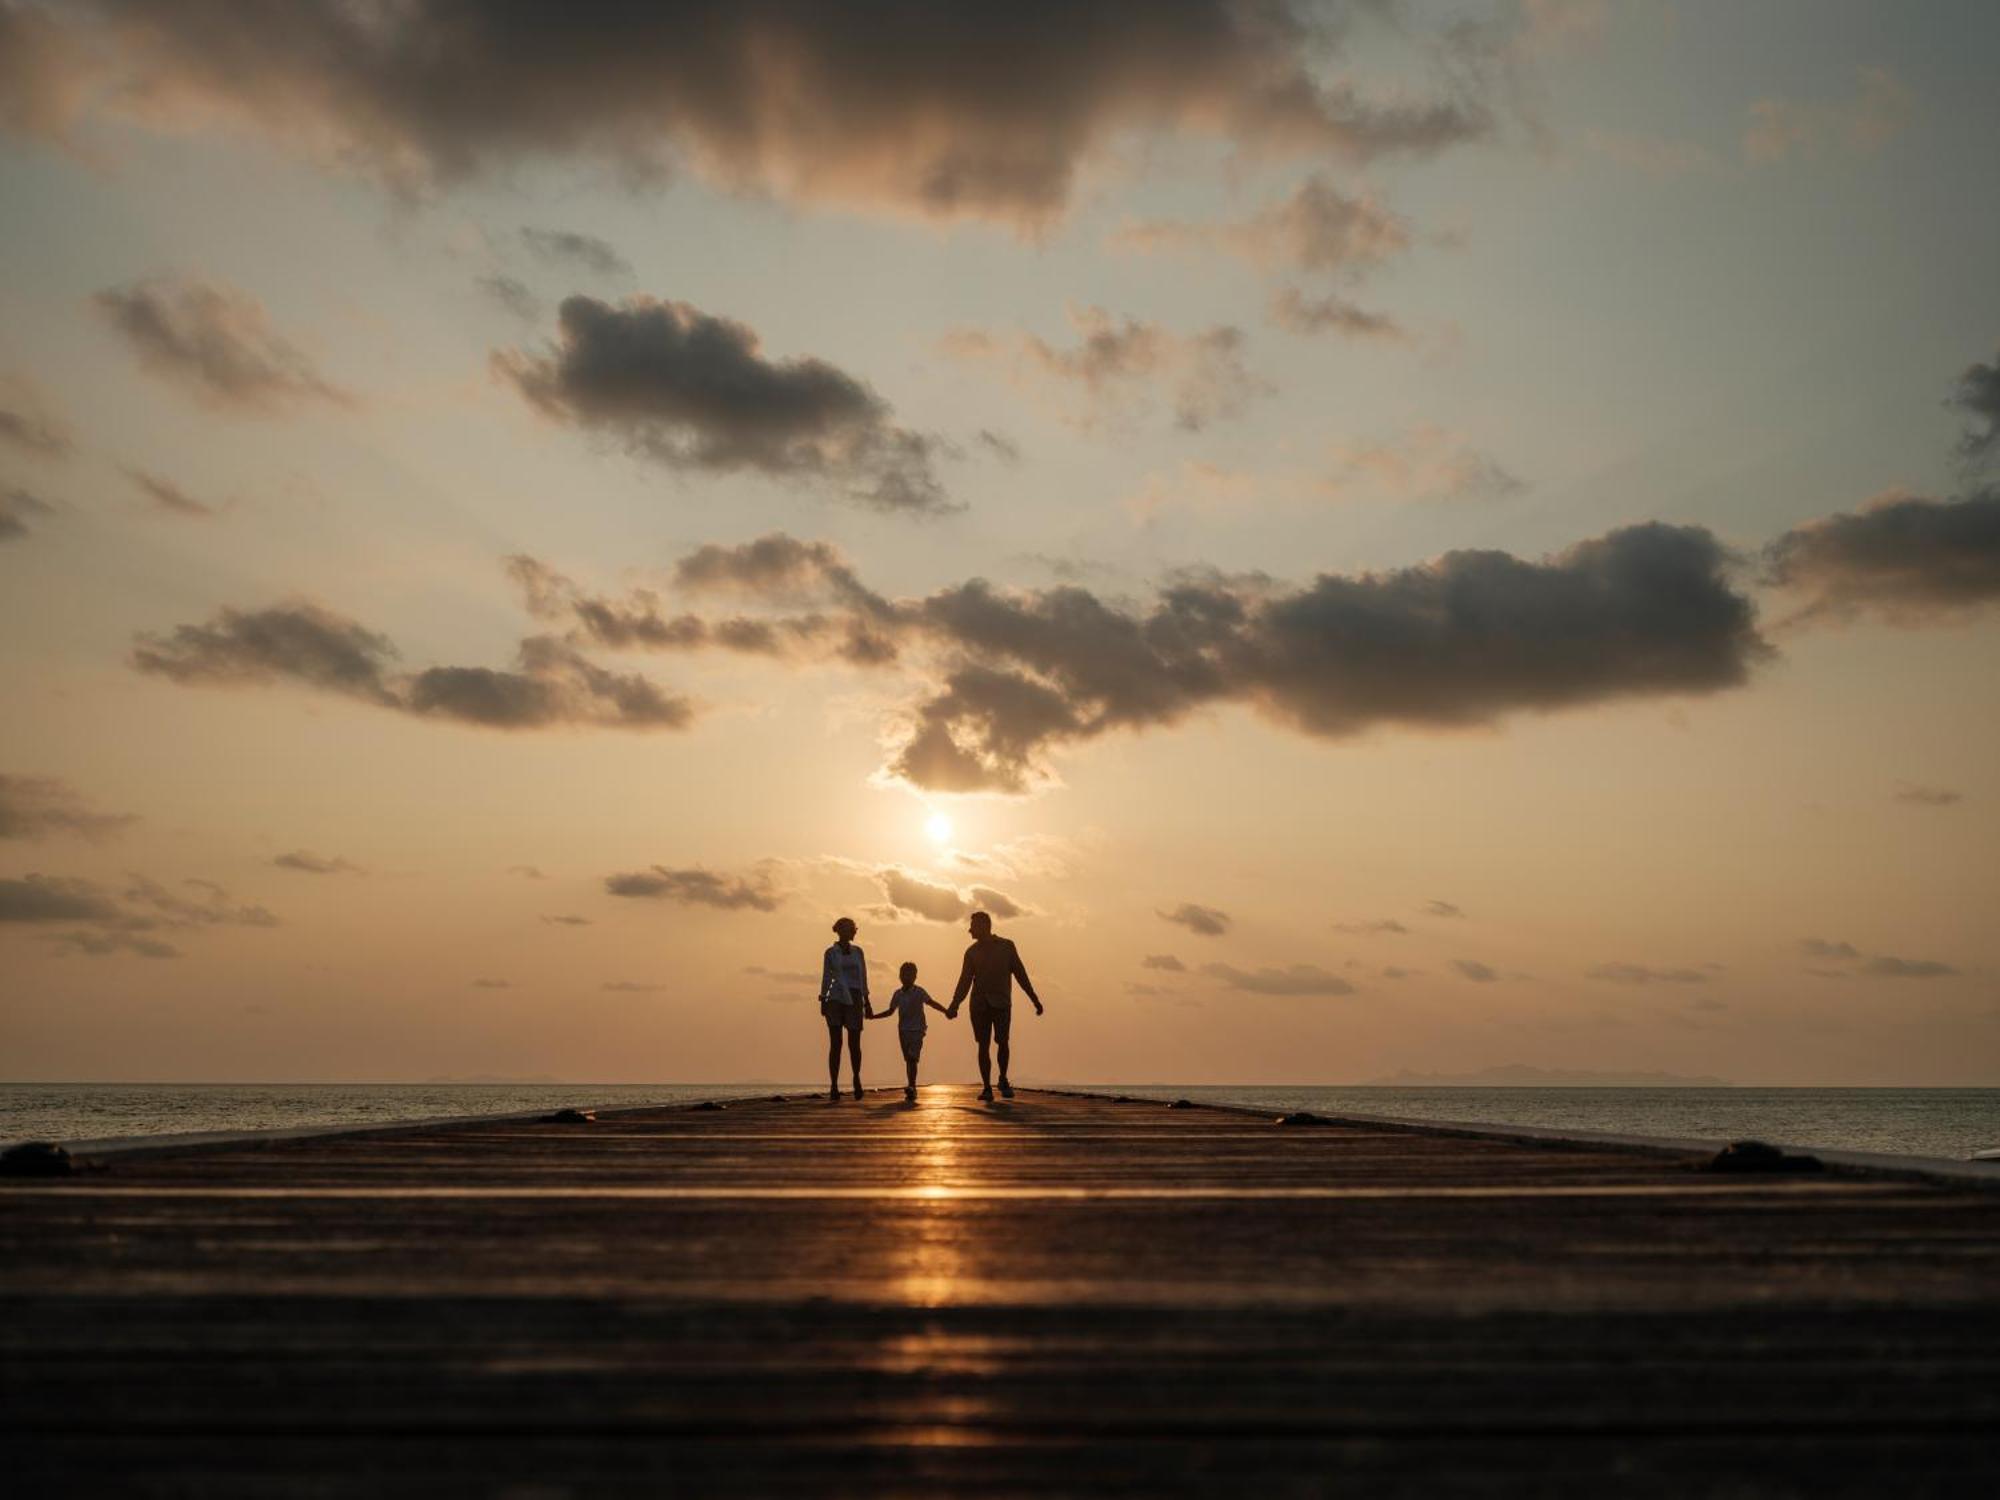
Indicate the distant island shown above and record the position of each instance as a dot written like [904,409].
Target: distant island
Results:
[1521,1076]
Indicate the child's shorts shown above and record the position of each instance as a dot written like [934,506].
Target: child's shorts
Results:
[913,1045]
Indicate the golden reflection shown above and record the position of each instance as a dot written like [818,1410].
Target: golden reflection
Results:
[934,1268]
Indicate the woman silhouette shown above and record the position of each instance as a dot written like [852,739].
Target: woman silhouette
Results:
[843,1000]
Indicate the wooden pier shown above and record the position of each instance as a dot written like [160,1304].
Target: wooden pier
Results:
[1060,1294]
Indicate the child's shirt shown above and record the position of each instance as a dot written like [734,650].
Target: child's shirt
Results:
[908,1003]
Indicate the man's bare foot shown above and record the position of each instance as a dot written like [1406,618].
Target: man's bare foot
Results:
[1006,1089]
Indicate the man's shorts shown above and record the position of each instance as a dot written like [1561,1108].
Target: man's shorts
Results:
[913,1045]
[991,1021]
[838,1015]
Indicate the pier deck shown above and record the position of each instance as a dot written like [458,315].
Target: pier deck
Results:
[1063,1294]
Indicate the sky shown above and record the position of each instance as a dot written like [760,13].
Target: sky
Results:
[1374,538]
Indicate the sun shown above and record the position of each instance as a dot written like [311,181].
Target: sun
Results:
[938,826]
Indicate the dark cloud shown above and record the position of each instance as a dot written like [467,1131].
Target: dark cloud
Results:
[16,507]
[513,294]
[907,894]
[1443,909]
[1928,796]
[1477,972]
[1978,396]
[756,891]
[1163,961]
[776,566]
[1205,920]
[34,807]
[1454,643]
[493,984]
[1296,312]
[696,392]
[1299,979]
[1393,972]
[217,343]
[1317,229]
[1826,948]
[943,112]
[1902,559]
[567,921]
[26,423]
[551,684]
[1887,966]
[170,498]
[101,922]
[1641,974]
[1389,926]
[564,247]
[307,863]
[1117,366]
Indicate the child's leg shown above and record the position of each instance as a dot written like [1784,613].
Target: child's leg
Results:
[910,1056]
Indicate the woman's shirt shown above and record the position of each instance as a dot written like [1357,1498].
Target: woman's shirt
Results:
[844,976]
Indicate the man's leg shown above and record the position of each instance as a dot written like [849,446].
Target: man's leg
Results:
[982,1031]
[1003,1026]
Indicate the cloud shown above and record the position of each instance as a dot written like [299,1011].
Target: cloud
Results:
[630,987]
[16,507]
[551,684]
[564,247]
[1887,966]
[695,392]
[1443,909]
[695,886]
[307,863]
[567,921]
[513,294]
[1927,796]
[217,343]
[910,894]
[1477,972]
[1296,312]
[936,112]
[107,921]
[1112,372]
[1902,559]
[785,976]
[1425,463]
[1388,925]
[1461,641]
[493,984]
[1165,962]
[35,807]
[1318,229]
[1299,979]
[1978,396]
[1205,920]
[1641,974]
[170,497]
[1880,110]
[1825,948]
[26,423]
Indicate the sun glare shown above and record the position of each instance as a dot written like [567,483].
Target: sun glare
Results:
[938,826]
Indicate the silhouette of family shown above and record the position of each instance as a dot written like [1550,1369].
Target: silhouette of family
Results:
[991,966]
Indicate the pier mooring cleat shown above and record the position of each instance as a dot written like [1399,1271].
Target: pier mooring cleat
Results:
[36,1159]
[1759,1156]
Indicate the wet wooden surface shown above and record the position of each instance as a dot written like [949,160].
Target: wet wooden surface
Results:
[1057,1295]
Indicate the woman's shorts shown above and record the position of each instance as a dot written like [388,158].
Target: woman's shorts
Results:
[913,1044]
[838,1015]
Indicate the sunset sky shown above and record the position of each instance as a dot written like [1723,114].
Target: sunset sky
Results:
[1371,537]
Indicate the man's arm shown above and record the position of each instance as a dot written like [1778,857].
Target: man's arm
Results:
[1020,973]
[964,986]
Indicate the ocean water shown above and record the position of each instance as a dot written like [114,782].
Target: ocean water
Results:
[1949,1123]
[72,1112]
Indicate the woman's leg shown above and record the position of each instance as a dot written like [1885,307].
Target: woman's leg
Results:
[854,1055]
[833,1030]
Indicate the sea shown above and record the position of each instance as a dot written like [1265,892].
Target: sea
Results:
[1949,1123]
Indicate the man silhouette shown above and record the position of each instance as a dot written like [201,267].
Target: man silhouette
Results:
[992,964]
